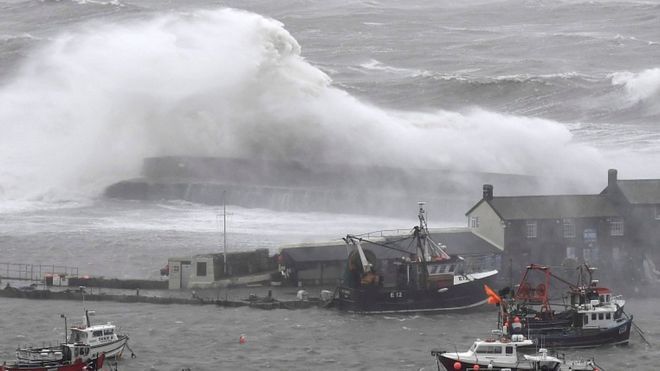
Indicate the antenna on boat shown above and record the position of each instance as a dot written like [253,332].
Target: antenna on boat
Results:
[82,292]
[66,327]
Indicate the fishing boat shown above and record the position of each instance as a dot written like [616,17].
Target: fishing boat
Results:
[592,316]
[98,339]
[424,279]
[66,357]
[101,338]
[514,353]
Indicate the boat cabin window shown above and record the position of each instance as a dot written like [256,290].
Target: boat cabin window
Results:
[78,337]
[441,268]
[509,350]
[489,349]
[601,316]
[593,316]
[97,333]
[435,269]
[108,331]
[586,319]
[608,316]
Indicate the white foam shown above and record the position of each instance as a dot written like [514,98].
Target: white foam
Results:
[639,87]
[376,65]
[90,105]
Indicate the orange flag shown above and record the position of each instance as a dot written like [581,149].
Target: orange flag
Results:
[493,298]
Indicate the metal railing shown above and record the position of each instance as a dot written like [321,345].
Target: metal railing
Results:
[35,272]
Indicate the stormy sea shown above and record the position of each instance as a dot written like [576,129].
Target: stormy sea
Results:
[89,88]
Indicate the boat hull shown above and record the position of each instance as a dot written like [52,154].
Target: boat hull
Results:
[375,300]
[74,367]
[466,365]
[583,338]
[94,364]
[112,349]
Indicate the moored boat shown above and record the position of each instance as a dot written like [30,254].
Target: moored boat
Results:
[66,357]
[426,278]
[593,317]
[101,338]
[98,339]
[515,353]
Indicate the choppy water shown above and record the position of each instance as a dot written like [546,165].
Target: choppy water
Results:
[207,338]
[88,88]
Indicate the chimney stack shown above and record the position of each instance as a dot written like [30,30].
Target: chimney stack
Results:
[488,192]
[611,179]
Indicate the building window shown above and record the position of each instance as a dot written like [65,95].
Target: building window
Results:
[571,253]
[531,229]
[616,227]
[474,222]
[569,228]
[201,269]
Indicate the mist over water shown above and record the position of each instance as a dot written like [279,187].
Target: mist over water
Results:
[86,107]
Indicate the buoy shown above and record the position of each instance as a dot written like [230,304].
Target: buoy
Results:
[475,367]
[242,339]
[516,319]
[457,366]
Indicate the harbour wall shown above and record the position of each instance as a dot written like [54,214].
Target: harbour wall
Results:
[299,186]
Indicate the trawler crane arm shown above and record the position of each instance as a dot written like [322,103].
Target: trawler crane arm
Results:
[366,266]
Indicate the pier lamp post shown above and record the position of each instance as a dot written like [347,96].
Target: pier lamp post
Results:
[66,328]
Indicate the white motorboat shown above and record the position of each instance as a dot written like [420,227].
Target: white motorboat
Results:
[96,339]
[100,338]
[515,353]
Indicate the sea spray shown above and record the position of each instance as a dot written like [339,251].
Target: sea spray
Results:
[88,107]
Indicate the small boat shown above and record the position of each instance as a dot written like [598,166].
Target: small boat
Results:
[66,357]
[99,339]
[593,317]
[424,279]
[513,353]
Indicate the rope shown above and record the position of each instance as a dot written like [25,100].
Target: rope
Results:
[641,333]
[132,353]
[597,365]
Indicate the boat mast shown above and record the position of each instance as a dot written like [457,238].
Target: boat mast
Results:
[421,232]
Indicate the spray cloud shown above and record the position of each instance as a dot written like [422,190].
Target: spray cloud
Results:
[88,107]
